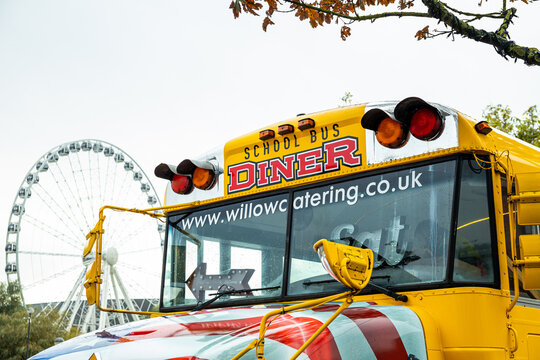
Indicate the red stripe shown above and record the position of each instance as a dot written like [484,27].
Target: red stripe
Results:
[288,330]
[379,331]
[295,331]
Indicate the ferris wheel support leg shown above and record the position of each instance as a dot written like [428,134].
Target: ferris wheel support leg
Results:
[118,303]
[67,302]
[124,292]
[78,303]
[85,325]
[104,316]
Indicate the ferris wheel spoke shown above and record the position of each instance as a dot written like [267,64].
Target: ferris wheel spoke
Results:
[135,286]
[55,233]
[77,200]
[137,268]
[51,201]
[119,225]
[75,182]
[114,181]
[138,251]
[107,171]
[51,277]
[123,195]
[69,210]
[92,197]
[99,180]
[68,203]
[118,237]
[86,187]
[48,254]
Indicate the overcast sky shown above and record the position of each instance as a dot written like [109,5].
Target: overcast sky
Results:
[168,79]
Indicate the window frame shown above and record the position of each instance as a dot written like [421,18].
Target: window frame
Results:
[448,282]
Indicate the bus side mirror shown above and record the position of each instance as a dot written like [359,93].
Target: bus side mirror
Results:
[529,246]
[349,265]
[91,283]
[528,198]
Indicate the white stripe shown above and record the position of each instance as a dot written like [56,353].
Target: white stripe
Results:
[409,328]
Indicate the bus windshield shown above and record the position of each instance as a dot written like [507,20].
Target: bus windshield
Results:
[263,248]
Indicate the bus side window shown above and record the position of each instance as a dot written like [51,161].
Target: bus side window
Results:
[473,253]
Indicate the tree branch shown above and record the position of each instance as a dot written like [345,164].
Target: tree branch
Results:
[503,46]
[476,16]
[359,18]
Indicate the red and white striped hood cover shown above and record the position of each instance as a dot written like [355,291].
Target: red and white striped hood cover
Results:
[362,331]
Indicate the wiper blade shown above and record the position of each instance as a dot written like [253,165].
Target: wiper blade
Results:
[219,294]
[388,292]
[309,282]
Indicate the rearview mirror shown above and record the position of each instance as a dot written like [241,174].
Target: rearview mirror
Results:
[528,198]
[529,246]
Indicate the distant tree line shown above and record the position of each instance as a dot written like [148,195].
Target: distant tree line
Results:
[45,327]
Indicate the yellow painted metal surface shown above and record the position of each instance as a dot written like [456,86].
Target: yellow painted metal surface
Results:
[304,148]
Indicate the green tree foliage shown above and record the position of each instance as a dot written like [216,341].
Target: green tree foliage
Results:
[347,98]
[45,327]
[526,128]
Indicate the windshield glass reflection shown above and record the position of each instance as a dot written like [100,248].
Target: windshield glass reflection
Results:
[393,214]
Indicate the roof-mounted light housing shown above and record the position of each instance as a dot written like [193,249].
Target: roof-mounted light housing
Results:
[423,120]
[203,173]
[388,132]
[180,184]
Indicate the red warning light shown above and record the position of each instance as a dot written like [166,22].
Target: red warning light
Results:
[426,124]
[181,184]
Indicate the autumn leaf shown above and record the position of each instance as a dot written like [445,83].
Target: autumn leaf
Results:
[404,4]
[345,32]
[235,6]
[267,22]
[422,34]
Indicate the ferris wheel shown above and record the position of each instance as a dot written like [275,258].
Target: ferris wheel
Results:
[55,207]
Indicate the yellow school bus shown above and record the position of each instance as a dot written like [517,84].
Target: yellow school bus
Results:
[392,230]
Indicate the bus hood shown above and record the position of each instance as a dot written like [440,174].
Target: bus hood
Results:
[362,331]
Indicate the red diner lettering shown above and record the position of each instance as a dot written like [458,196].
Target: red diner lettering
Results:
[307,162]
[285,168]
[235,171]
[343,149]
[263,175]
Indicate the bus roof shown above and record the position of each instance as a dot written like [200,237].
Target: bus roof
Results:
[333,143]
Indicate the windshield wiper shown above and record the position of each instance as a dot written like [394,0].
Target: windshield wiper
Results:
[220,293]
[309,282]
[388,292]
[385,291]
